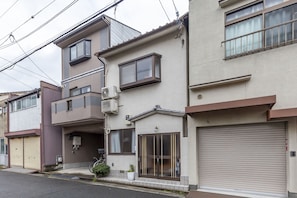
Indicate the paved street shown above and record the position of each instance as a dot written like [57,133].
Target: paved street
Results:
[16,185]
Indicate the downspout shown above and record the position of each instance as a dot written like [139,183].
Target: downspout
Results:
[105,115]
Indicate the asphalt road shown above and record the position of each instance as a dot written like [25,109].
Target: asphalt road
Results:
[16,185]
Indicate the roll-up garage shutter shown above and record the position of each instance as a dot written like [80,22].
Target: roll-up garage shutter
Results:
[243,158]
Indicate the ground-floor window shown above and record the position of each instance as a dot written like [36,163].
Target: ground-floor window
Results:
[122,141]
[159,155]
[3,147]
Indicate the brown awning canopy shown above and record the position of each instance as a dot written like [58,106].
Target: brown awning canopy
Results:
[266,100]
[282,113]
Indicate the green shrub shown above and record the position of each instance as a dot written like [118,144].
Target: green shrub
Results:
[101,170]
[131,168]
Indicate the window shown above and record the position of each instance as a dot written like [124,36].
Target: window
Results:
[141,71]
[23,103]
[78,91]
[69,105]
[80,51]
[277,34]
[2,146]
[122,141]
[260,26]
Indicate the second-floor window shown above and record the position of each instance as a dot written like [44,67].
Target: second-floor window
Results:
[80,51]
[260,26]
[78,91]
[23,103]
[141,71]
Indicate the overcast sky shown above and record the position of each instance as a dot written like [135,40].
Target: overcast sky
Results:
[26,24]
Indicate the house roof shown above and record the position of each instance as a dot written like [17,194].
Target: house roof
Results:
[156,110]
[24,95]
[88,26]
[176,25]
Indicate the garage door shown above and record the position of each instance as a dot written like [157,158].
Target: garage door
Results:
[16,152]
[32,153]
[243,158]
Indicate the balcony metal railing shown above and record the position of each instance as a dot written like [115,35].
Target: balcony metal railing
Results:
[267,38]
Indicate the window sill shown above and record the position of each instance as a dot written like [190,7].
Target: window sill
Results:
[79,60]
[140,83]
[225,3]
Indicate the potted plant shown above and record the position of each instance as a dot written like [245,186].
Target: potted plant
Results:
[101,170]
[131,173]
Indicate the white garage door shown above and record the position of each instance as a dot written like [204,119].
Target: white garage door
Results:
[243,158]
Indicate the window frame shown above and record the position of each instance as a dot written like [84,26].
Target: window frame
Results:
[87,51]
[24,103]
[155,71]
[80,90]
[262,13]
[121,132]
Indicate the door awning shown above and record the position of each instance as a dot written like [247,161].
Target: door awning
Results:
[268,101]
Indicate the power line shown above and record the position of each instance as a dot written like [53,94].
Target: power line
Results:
[164,10]
[18,81]
[24,68]
[36,64]
[61,35]
[41,26]
[9,8]
[32,17]
[176,11]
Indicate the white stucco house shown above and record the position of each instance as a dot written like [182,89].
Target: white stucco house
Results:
[144,101]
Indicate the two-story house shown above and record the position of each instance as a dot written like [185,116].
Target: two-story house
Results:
[243,104]
[78,112]
[33,142]
[143,103]
[4,97]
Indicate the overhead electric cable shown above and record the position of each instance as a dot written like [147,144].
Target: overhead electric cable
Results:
[18,81]
[60,35]
[176,11]
[9,9]
[24,68]
[37,65]
[164,10]
[41,26]
[32,17]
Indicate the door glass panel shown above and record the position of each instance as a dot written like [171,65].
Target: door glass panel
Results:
[159,156]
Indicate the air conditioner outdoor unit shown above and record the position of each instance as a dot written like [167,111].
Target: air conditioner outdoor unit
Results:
[109,106]
[109,92]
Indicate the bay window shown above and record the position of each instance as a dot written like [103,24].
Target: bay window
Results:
[80,51]
[141,71]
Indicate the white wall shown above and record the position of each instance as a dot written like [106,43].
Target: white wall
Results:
[25,119]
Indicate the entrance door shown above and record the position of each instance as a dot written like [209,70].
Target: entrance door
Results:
[159,156]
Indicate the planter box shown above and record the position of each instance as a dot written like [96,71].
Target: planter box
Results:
[131,176]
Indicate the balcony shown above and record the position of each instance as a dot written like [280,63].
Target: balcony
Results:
[267,38]
[76,110]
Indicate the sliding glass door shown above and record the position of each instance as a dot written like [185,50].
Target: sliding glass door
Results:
[159,155]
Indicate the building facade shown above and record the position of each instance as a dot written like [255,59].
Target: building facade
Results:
[32,141]
[78,112]
[144,102]
[242,111]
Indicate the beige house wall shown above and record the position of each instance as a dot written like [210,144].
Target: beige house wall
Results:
[32,153]
[16,152]
[273,72]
